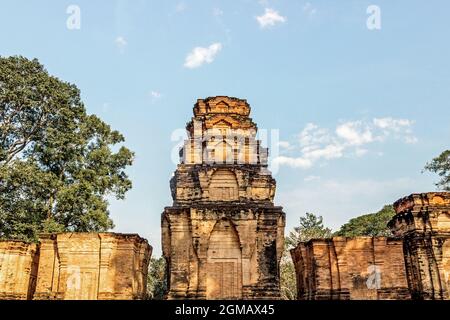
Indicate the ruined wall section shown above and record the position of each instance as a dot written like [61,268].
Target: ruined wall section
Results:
[89,266]
[423,221]
[361,268]
[18,270]
[75,266]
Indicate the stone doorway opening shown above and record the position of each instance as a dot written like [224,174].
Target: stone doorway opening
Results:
[224,263]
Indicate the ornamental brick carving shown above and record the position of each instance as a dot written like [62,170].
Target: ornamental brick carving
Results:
[223,236]
[423,221]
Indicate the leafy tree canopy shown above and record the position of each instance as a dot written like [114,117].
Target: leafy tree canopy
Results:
[157,279]
[373,225]
[288,281]
[441,166]
[311,227]
[57,163]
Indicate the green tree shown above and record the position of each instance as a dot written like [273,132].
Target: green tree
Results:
[157,279]
[441,166]
[373,225]
[57,164]
[311,227]
[288,281]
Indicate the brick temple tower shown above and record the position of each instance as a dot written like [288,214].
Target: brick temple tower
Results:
[423,221]
[223,237]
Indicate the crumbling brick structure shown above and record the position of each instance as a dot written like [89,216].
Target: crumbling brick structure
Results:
[415,264]
[223,237]
[361,268]
[75,266]
[18,270]
[423,221]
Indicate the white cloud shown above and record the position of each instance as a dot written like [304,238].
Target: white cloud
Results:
[311,178]
[361,152]
[284,144]
[393,124]
[270,18]
[293,162]
[331,151]
[399,128]
[121,43]
[180,7]
[411,139]
[217,12]
[313,135]
[155,95]
[309,9]
[349,139]
[355,133]
[200,55]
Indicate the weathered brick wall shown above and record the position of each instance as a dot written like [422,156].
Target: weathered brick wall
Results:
[223,251]
[361,268]
[18,267]
[423,220]
[90,266]
[75,266]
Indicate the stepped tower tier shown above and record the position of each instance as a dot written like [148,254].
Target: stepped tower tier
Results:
[223,237]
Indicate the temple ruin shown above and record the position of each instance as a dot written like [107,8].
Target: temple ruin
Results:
[413,264]
[75,266]
[223,237]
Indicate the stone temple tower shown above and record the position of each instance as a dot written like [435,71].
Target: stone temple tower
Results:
[223,237]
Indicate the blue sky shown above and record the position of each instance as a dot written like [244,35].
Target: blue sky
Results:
[359,111]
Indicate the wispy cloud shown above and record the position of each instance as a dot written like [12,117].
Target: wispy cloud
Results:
[348,139]
[201,55]
[121,43]
[285,145]
[180,7]
[270,18]
[155,95]
[217,12]
[309,9]
[311,178]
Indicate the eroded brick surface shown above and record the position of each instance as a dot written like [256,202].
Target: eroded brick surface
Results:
[75,266]
[415,264]
[18,269]
[223,236]
[423,221]
[361,268]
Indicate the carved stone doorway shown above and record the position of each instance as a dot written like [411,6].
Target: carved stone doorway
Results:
[224,263]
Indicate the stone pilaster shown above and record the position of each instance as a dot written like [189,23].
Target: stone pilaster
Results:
[423,220]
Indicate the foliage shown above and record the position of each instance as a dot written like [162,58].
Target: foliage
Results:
[157,279]
[441,166]
[288,282]
[311,227]
[57,165]
[372,225]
